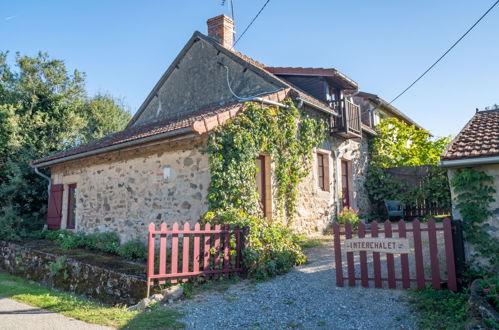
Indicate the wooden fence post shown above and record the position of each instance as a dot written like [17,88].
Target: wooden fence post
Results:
[337,255]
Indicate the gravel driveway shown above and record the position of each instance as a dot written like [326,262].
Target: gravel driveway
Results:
[306,298]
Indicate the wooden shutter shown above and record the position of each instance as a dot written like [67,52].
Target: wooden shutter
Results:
[54,212]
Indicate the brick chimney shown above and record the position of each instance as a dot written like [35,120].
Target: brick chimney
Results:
[221,28]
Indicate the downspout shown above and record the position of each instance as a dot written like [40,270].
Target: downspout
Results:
[35,168]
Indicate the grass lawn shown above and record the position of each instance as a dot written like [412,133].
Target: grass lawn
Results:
[82,309]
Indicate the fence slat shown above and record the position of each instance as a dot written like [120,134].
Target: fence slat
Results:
[449,256]
[185,249]
[390,262]
[226,247]
[404,258]
[174,266]
[207,248]
[337,255]
[435,271]
[195,255]
[418,254]
[350,260]
[363,258]
[238,247]
[376,258]
[150,257]
[162,251]
[217,251]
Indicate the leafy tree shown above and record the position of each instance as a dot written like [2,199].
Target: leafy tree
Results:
[43,109]
[400,144]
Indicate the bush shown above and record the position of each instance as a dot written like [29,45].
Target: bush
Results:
[106,242]
[348,215]
[270,248]
[489,284]
[68,240]
[134,250]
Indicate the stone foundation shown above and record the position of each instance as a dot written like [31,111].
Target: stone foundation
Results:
[76,277]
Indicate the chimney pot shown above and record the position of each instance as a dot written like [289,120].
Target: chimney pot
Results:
[221,28]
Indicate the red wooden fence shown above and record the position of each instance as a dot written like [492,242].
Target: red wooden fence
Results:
[404,276]
[204,252]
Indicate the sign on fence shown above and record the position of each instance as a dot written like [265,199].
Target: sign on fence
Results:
[385,245]
[382,240]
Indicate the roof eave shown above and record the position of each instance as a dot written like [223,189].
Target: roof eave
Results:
[166,135]
[463,162]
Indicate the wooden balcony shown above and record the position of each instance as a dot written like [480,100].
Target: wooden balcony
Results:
[348,125]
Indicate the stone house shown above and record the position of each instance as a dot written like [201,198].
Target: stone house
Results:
[477,147]
[154,170]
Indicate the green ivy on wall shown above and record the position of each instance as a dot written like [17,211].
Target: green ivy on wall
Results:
[474,193]
[284,133]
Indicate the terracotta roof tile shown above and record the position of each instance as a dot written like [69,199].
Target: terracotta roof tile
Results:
[150,129]
[479,138]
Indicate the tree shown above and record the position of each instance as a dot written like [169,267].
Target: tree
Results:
[43,109]
[400,144]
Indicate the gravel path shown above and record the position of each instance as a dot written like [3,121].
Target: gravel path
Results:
[306,298]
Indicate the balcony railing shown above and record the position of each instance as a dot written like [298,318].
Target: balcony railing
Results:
[349,123]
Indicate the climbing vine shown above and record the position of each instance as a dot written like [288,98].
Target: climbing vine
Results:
[284,133]
[474,193]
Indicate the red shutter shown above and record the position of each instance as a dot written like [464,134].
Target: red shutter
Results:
[54,212]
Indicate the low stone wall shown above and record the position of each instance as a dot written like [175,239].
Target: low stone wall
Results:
[74,276]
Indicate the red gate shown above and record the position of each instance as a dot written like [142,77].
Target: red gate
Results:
[203,252]
[411,266]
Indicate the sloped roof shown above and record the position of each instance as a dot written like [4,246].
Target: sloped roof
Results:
[390,108]
[479,138]
[190,120]
[345,81]
[198,122]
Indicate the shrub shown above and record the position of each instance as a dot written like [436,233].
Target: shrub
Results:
[489,284]
[68,240]
[440,309]
[134,250]
[348,215]
[106,242]
[270,248]
[50,235]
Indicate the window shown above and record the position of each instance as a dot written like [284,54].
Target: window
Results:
[323,171]
[70,224]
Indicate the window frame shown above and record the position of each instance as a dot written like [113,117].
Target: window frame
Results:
[322,167]
[71,206]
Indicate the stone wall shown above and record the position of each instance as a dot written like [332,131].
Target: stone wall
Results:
[123,192]
[317,208]
[199,80]
[492,224]
[80,278]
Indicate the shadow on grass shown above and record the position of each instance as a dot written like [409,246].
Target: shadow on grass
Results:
[21,290]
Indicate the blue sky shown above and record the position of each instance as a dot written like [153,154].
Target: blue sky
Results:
[125,46]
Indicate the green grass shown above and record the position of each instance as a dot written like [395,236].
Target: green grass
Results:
[85,310]
[312,242]
[440,309]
